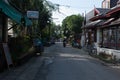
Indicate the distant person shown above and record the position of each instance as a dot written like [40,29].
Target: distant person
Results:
[64,42]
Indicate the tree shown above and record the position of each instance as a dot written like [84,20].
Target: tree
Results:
[22,43]
[72,24]
[44,7]
[52,30]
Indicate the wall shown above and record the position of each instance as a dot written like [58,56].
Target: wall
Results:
[113,3]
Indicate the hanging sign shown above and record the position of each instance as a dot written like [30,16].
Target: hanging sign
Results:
[33,14]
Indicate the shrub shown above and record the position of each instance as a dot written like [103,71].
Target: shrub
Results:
[19,46]
[105,56]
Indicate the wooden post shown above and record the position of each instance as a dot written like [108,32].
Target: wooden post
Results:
[4,28]
[4,46]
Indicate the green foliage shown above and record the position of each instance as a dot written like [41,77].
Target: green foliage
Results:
[19,46]
[45,32]
[52,30]
[44,7]
[105,56]
[73,23]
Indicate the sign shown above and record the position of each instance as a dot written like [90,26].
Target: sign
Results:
[33,14]
[7,54]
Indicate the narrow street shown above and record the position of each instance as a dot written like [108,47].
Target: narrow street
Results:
[59,63]
[74,64]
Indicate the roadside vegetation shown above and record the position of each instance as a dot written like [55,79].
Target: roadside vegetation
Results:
[72,29]
[43,27]
[22,40]
[107,58]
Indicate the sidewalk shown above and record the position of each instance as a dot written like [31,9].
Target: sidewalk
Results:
[26,71]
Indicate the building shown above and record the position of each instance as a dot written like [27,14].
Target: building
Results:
[109,3]
[106,4]
[8,11]
[90,29]
[105,31]
[113,3]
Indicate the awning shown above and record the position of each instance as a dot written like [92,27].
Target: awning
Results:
[99,17]
[116,22]
[92,24]
[108,21]
[12,13]
[114,11]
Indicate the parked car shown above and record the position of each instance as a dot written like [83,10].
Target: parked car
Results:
[38,45]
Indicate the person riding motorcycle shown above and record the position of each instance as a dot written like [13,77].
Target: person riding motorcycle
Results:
[64,43]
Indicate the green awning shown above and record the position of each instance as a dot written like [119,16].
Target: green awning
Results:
[12,13]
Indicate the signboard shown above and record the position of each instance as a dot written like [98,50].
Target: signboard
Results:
[33,14]
[7,54]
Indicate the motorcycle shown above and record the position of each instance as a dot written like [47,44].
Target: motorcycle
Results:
[64,44]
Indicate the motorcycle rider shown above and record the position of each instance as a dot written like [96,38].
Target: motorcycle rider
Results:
[64,42]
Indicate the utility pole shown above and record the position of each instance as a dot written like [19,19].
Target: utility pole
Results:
[23,7]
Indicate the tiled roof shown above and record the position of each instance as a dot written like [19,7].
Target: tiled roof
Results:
[101,15]
[103,11]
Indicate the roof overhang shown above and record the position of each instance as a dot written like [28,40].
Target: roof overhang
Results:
[12,13]
[109,21]
[99,17]
[114,10]
[93,24]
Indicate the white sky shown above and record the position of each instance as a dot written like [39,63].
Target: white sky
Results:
[76,7]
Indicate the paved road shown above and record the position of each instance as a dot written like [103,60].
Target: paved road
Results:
[74,64]
[59,63]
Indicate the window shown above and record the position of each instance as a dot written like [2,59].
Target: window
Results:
[109,38]
[112,38]
[105,38]
[118,38]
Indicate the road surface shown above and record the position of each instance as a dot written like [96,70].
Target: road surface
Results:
[74,64]
[59,63]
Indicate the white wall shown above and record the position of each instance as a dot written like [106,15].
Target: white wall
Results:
[111,51]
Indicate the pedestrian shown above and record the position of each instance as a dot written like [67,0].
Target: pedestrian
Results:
[64,42]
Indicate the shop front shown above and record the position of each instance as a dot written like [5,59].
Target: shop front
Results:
[110,32]
[91,31]
[2,39]
[110,41]
[7,11]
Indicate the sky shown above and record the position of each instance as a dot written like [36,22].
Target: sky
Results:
[70,7]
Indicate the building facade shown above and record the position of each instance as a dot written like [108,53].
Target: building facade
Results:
[109,3]
[106,4]
[107,31]
[8,11]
